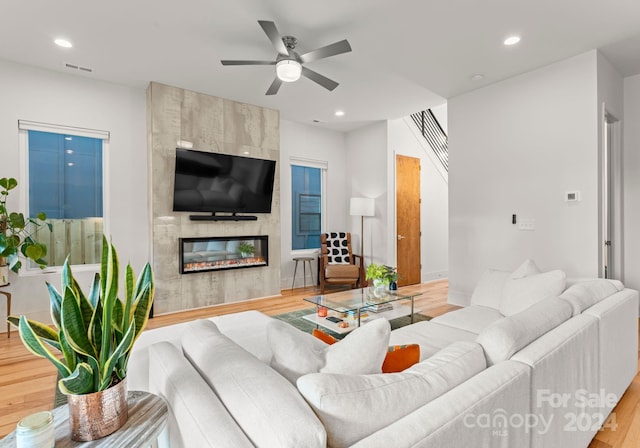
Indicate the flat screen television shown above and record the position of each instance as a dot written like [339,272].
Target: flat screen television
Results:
[213,182]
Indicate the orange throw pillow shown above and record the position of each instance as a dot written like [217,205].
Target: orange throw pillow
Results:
[324,337]
[399,357]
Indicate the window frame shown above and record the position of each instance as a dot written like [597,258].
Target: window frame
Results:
[323,166]
[24,126]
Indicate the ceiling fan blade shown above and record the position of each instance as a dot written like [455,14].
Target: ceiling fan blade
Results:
[274,36]
[325,82]
[227,62]
[275,86]
[324,52]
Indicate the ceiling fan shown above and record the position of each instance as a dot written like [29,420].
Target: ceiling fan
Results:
[289,64]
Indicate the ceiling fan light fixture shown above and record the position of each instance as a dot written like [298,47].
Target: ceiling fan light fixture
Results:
[288,70]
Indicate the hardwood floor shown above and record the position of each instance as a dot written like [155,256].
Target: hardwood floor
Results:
[27,383]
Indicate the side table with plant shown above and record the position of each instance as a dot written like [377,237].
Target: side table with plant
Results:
[15,235]
[95,333]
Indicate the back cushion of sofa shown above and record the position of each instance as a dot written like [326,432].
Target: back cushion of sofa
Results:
[586,294]
[502,339]
[265,405]
[519,294]
[355,406]
[488,291]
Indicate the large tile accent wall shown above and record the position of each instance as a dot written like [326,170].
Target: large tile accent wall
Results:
[214,125]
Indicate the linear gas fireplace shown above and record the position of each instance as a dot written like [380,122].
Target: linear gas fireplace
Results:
[217,253]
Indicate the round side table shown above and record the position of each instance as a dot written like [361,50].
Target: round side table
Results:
[147,418]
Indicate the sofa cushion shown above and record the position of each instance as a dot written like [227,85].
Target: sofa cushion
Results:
[586,294]
[352,407]
[519,293]
[473,318]
[505,337]
[251,390]
[431,336]
[296,353]
[488,291]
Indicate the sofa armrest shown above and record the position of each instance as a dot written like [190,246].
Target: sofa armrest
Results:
[474,414]
[571,349]
[196,415]
[618,340]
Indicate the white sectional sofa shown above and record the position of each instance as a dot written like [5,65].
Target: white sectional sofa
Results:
[534,361]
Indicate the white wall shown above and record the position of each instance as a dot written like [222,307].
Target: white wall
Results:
[368,164]
[313,143]
[516,147]
[434,212]
[44,96]
[632,182]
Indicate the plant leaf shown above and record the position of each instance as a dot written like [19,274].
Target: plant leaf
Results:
[56,303]
[75,329]
[126,318]
[141,309]
[109,270]
[69,354]
[94,292]
[41,216]
[44,332]
[79,382]
[120,350]
[35,345]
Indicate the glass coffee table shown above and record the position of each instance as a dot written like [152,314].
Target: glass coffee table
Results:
[343,312]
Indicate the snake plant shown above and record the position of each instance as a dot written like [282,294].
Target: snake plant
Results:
[94,332]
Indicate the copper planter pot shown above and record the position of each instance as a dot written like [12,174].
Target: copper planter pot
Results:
[96,415]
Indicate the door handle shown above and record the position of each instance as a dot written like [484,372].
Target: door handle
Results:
[401,237]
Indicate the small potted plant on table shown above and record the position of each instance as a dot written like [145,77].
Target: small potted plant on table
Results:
[382,276]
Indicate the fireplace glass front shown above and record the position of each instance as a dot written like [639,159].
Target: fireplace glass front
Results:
[217,253]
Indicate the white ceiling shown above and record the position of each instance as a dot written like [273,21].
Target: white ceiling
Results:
[407,55]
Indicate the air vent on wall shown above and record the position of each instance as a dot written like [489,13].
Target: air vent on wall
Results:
[78,67]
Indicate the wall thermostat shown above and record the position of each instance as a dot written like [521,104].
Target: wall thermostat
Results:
[572,196]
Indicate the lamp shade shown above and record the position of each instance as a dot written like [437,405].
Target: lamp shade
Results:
[288,70]
[362,207]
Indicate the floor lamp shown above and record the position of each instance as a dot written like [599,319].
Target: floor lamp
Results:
[362,207]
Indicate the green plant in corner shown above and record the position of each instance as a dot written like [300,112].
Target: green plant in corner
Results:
[382,273]
[246,249]
[15,237]
[94,332]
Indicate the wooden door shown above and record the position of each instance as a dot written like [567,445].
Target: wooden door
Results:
[408,220]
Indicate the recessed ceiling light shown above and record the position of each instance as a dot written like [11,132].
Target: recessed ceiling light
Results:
[339,113]
[64,43]
[512,40]
[246,153]
[477,77]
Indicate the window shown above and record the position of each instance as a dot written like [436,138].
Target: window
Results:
[307,220]
[65,180]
